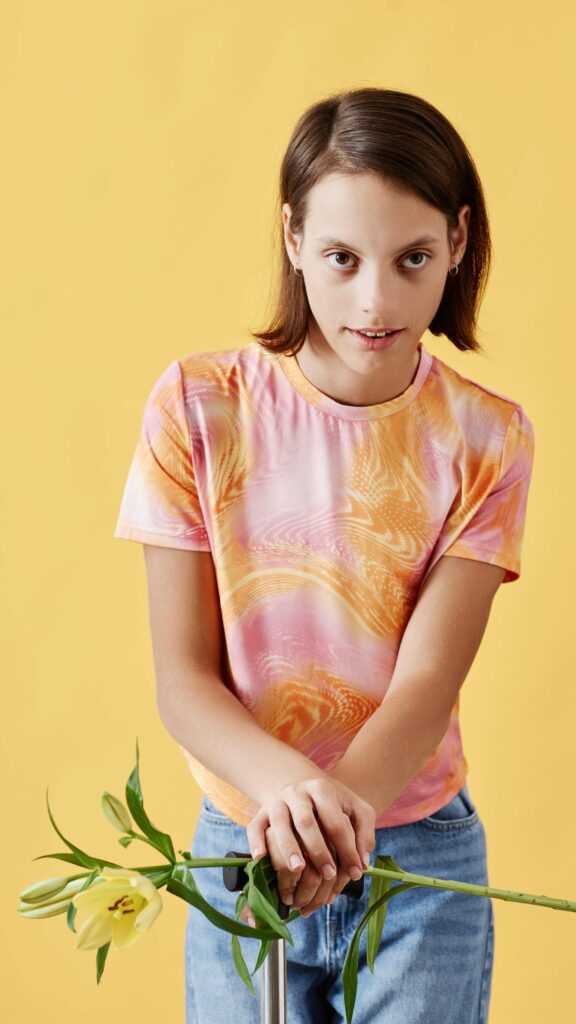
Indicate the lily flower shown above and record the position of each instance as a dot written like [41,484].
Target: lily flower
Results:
[121,904]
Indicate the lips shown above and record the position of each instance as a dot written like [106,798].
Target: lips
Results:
[375,344]
[375,330]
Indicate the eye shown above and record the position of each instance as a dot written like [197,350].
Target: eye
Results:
[346,255]
[340,252]
[409,257]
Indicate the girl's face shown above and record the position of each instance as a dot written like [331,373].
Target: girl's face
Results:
[362,268]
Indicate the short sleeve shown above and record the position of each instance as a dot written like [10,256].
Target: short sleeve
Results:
[493,529]
[161,504]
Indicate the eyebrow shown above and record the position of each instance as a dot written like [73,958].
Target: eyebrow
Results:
[424,240]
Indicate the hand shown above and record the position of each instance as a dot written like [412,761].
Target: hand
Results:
[326,827]
[311,890]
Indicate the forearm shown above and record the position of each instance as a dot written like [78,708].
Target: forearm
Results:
[391,748]
[215,727]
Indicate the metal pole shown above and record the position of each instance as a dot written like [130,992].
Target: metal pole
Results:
[273,993]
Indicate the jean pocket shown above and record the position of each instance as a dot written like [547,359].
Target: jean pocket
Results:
[210,811]
[458,813]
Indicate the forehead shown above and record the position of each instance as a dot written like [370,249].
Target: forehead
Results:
[346,205]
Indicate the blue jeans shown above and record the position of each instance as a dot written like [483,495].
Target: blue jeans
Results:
[434,963]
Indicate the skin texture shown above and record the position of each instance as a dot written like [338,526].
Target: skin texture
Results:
[378,281]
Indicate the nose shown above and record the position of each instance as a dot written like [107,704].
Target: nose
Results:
[377,295]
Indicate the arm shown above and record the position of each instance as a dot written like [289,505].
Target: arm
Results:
[208,720]
[437,649]
[195,705]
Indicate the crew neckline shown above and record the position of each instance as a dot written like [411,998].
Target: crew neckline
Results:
[312,394]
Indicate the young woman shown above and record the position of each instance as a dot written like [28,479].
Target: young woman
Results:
[327,513]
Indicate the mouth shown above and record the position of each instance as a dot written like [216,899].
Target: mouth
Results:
[375,330]
[375,343]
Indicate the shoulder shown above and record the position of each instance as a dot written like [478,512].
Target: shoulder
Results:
[478,409]
[219,373]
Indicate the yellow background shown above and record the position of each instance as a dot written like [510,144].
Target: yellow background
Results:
[141,143]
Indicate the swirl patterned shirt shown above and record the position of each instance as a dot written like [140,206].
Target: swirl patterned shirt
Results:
[323,520]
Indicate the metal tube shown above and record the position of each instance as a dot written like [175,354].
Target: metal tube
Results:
[273,1008]
[273,985]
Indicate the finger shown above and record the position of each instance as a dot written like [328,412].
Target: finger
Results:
[256,834]
[363,820]
[309,889]
[339,830]
[248,917]
[287,880]
[302,809]
[307,901]
[286,841]
[341,880]
[312,890]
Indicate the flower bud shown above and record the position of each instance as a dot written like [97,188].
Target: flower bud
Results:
[41,891]
[55,896]
[43,910]
[116,812]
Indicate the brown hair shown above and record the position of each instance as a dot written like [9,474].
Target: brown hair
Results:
[413,146]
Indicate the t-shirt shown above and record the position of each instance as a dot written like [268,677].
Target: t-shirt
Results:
[323,520]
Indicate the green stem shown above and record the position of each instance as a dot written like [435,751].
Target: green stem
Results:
[402,876]
[476,890]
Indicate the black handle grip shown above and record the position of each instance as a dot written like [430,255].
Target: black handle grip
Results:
[235,878]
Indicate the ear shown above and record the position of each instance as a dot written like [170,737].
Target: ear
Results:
[459,236]
[291,240]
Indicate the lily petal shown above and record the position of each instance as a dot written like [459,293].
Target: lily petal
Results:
[96,931]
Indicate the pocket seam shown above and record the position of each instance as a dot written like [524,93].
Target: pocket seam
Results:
[449,826]
[452,824]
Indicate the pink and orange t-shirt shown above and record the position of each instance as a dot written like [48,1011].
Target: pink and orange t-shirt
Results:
[323,520]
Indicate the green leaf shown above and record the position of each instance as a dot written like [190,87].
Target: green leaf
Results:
[378,886]
[101,955]
[237,958]
[265,944]
[159,876]
[261,900]
[240,964]
[72,859]
[82,858]
[161,840]
[182,884]
[350,969]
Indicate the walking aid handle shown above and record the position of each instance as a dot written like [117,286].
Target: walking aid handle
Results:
[235,879]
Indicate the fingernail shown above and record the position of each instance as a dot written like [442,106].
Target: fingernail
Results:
[366,859]
[251,921]
[355,873]
[328,871]
[288,900]
[295,861]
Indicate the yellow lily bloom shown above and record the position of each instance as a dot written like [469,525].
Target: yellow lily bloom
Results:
[121,905]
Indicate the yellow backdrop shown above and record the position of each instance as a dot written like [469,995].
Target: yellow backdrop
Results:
[140,151]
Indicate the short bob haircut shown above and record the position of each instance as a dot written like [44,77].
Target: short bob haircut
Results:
[410,144]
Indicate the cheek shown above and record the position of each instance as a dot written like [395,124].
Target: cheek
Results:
[329,299]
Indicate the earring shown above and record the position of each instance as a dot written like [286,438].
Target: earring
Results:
[297,271]
[453,270]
